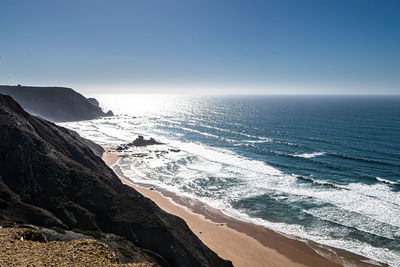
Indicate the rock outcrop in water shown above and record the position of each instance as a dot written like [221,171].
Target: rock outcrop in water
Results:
[58,104]
[50,177]
[139,141]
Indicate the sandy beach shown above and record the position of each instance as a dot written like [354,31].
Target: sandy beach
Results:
[243,243]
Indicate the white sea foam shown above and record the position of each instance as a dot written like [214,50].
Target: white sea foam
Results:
[309,155]
[386,181]
[199,132]
[257,141]
[219,177]
[321,235]
[353,219]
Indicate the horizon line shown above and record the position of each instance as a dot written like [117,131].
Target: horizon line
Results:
[176,91]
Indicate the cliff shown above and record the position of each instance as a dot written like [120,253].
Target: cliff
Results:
[50,177]
[58,104]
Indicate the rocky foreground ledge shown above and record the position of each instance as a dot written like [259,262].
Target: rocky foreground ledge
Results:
[30,247]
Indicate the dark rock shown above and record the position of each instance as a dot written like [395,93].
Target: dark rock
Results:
[139,155]
[33,235]
[50,177]
[140,141]
[93,101]
[109,114]
[58,104]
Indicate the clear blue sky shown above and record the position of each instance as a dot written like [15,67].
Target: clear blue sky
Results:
[266,46]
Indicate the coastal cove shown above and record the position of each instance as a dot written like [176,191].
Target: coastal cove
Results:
[200,133]
[243,243]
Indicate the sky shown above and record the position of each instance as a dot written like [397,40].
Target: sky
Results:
[203,46]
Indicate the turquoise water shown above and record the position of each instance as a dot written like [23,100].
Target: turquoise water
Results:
[320,168]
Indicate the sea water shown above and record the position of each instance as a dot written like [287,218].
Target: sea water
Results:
[321,168]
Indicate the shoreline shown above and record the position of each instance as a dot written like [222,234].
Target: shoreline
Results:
[244,243]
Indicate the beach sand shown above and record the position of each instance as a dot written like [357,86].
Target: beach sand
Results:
[243,243]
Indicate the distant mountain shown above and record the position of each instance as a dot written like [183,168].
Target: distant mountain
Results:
[58,104]
[51,177]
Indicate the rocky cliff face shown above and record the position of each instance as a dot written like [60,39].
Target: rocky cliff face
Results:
[58,104]
[49,176]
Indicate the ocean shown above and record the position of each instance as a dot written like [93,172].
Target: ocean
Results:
[321,168]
